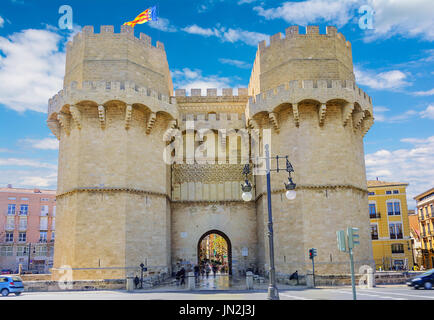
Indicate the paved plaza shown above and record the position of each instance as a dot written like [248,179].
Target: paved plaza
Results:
[223,287]
[396,292]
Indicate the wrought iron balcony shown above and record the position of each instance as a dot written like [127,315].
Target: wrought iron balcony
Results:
[376,215]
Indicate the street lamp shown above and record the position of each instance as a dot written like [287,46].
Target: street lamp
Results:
[273,293]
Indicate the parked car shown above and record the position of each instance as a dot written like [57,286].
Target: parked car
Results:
[6,271]
[425,280]
[11,284]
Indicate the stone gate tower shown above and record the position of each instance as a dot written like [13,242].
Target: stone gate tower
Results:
[119,204]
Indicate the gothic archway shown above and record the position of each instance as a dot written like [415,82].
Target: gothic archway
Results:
[228,243]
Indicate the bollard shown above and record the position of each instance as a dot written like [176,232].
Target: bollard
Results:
[130,284]
[249,280]
[371,278]
[20,269]
[309,280]
[191,281]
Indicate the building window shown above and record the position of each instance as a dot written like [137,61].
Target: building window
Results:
[393,208]
[23,223]
[395,191]
[6,251]
[389,192]
[11,209]
[24,209]
[24,199]
[44,210]
[54,211]
[43,236]
[374,232]
[372,210]
[395,230]
[22,251]
[43,225]
[45,199]
[12,198]
[371,193]
[53,224]
[52,236]
[9,237]
[397,248]
[41,251]
[10,223]
[22,237]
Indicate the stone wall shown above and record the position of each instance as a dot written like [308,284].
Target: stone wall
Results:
[237,220]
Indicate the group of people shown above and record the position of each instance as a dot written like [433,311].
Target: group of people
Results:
[203,270]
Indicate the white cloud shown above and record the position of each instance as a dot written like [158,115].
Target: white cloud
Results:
[236,63]
[16,162]
[389,80]
[45,181]
[41,178]
[424,93]
[412,165]
[311,11]
[428,112]
[245,1]
[228,34]
[193,79]
[162,24]
[248,37]
[43,144]
[412,19]
[195,29]
[31,69]
[2,22]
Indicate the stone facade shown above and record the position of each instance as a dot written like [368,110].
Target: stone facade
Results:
[120,204]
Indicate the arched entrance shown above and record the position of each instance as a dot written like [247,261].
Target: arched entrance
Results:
[223,253]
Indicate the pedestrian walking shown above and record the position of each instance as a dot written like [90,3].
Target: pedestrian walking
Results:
[136,281]
[196,273]
[182,276]
[207,270]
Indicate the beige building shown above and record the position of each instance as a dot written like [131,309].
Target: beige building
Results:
[425,211]
[122,201]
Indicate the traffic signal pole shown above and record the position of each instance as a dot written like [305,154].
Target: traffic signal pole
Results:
[313,270]
[353,281]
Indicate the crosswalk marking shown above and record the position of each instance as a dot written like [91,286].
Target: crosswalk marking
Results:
[294,297]
[405,295]
[370,295]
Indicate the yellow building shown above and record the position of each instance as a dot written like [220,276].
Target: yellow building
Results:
[425,211]
[390,230]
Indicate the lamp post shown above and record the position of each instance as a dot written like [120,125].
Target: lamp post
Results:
[273,293]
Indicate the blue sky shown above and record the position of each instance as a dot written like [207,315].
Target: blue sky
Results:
[212,43]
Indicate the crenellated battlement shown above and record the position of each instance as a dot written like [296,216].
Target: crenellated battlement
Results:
[320,90]
[212,92]
[292,33]
[215,121]
[110,56]
[296,56]
[108,30]
[102,91]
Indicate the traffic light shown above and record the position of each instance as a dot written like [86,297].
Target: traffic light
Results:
[312,253]
[353,237]
[342,245]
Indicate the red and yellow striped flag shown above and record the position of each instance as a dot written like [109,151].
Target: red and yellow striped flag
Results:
[147,15]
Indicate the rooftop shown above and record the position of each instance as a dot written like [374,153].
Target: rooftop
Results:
[378,183]
[429,192]
[10,189]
